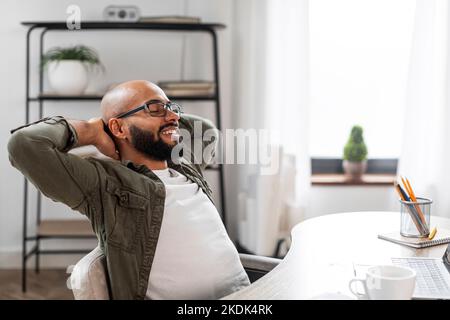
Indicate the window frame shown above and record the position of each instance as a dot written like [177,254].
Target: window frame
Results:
[321,165]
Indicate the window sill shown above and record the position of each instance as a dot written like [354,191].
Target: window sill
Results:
[341,180]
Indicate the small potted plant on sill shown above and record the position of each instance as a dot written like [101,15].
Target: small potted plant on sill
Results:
[68,68]
[355,155]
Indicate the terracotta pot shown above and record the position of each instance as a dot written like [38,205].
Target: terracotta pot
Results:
[354,169]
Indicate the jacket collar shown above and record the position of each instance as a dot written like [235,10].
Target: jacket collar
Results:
[143,169]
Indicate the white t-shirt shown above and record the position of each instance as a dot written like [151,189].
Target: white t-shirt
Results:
[194,258]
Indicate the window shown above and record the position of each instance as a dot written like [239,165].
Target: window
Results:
[359,53]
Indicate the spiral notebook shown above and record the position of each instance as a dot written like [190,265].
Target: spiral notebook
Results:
[442,237]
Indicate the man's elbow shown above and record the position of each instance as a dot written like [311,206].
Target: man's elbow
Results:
[210,131]
[17,146]
[209,125]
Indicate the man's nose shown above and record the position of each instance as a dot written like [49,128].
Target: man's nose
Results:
[172,116]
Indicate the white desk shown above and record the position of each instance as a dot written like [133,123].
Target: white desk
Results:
[323,250]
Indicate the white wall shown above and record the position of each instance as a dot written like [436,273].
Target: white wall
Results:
[126,55]
[336,199]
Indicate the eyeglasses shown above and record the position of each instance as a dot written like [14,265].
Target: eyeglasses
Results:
[155,108]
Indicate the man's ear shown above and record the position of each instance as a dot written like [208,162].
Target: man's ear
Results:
[118,128]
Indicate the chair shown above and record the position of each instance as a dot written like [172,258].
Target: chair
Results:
[89,282]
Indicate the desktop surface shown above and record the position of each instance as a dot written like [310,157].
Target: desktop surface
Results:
[324,250]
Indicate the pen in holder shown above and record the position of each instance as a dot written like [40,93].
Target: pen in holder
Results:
[415,218]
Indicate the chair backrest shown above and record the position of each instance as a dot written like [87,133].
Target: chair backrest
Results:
[88,279]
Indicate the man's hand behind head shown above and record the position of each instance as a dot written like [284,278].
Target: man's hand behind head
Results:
[102,140]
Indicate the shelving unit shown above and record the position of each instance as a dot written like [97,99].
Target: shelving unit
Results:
[81,229]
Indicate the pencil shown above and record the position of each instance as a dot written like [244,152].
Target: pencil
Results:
[403,196]
[406,186]
[432,233]
[413,197]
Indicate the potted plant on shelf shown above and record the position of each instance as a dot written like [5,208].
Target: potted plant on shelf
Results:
[67,68]
[355,155]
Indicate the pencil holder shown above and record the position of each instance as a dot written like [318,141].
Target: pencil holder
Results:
[415,218]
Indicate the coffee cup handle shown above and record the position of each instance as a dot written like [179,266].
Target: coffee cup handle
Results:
[356,293]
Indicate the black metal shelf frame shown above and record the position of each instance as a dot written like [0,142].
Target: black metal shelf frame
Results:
[44,27]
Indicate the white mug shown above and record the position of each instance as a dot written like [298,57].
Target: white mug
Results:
[386,283]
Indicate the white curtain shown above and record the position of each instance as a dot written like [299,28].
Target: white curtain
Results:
[271,92]
[425,157]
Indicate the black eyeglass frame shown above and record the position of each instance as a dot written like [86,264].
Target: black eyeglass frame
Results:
[167,106]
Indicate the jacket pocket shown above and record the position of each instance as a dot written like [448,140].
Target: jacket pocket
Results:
[129,214]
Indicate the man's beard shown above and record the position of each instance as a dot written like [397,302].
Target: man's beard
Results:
[148,144]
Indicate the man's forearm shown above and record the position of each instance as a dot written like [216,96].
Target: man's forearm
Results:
[39,151]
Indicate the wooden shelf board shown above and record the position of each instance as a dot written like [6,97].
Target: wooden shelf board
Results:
[65,228]
[342,180]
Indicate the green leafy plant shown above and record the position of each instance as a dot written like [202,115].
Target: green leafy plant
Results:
[355,149]
[84,54]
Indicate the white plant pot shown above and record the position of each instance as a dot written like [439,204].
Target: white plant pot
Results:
[67,77]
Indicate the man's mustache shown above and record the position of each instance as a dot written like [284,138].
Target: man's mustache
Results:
[172,124]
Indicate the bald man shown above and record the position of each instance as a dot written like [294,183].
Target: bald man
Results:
[152,212]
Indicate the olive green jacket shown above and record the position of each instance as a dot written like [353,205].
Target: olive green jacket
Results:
[123,201]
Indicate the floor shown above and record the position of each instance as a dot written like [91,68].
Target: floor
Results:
[49,284]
